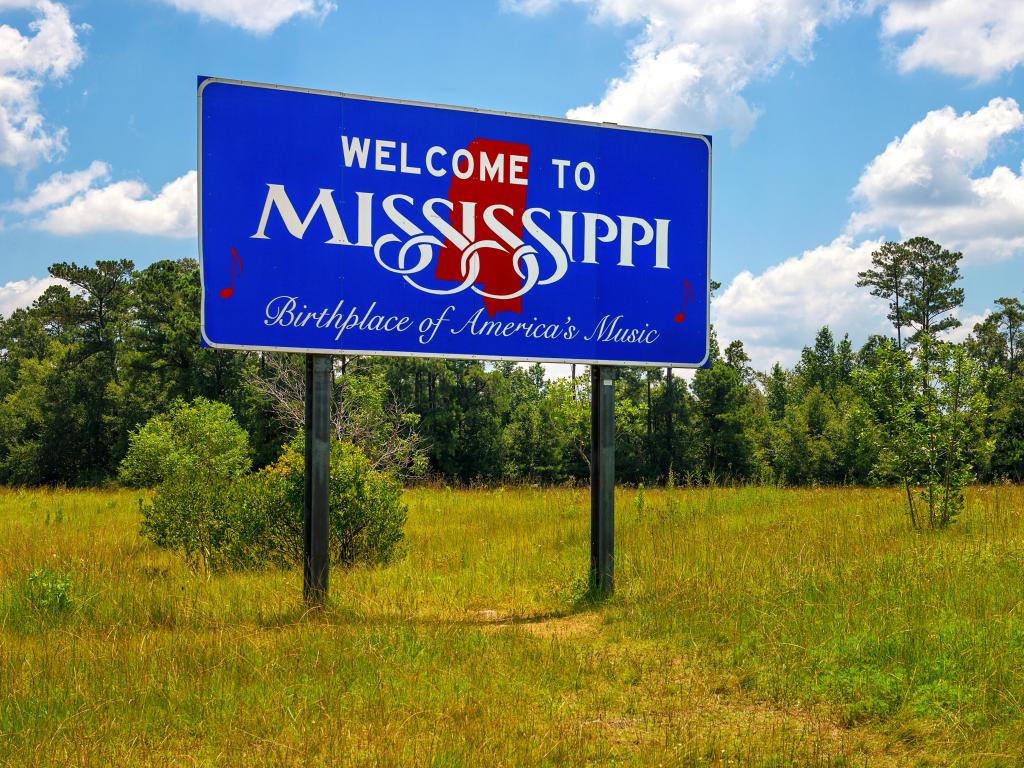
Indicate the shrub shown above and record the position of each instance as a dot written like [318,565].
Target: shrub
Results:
[367,517]
[198,436]
[264,531]
[196,452]
[929,408]
[220,516]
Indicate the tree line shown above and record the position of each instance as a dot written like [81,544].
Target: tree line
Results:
[112,346]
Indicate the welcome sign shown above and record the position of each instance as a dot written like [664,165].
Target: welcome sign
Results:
[343,224]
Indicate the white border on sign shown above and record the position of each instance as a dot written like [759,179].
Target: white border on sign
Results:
[441,355]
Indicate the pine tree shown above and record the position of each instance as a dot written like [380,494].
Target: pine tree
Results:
[777,395]
[1010,321]
[932,293]
[888,280]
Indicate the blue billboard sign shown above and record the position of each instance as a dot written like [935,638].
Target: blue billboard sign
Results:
[344,224]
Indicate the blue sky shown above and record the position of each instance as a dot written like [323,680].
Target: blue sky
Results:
[837,123]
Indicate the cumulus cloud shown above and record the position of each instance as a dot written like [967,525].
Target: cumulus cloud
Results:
[47,51]
[21,293]
[777,312]
[979,39]
[257,16]
[690,65]
[61,187]
[967,323]
[127,206]
[926,183]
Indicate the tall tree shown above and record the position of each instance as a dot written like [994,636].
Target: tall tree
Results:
[1010,321]
[721,401]
[777,393]
[817,366]
[987,345]
[932,276]
[887,279]
[844,360]
[82,428]
[97,306]
[737,357]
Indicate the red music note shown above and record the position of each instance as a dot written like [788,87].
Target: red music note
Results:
[687,298]
[227,293]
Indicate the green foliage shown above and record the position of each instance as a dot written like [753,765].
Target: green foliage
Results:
[263,530]
[918,277]
[1007,431]
[777,394]
[82,368]
[195,452]
[640,500]
[200,439]
[209,507]
[932,275]
[48,590]
[887,279]
[367,516]
[953,405]
[929,409]
[996,341]
[367,417]
[724,410]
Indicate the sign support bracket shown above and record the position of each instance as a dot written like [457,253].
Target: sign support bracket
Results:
[602,479]
[316,558]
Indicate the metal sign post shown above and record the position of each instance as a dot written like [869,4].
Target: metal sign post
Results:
[316,557]
[602,479]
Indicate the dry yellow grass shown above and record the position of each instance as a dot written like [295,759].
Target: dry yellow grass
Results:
[751,627]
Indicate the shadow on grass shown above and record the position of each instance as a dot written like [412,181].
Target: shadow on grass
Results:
[581,596]
[336,615]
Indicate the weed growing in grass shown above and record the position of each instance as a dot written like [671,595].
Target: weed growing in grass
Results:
[58,514]
[579,594]
[48,590]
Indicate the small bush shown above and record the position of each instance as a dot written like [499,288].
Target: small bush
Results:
[367,517]
[196,452]
[201,436]
[209,507]
[264,531]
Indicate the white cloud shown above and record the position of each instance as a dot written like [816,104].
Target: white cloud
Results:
[967,323]
[257,16]
[529,7]
[920,184]
[48,52]
[777,312]
[61,187]
[689,67]
[980,39]
[924,184]
[21,293]
[128,206]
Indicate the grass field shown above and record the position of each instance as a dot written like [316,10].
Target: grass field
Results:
[750,627]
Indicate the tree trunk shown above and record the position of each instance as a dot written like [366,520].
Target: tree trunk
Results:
[910,504]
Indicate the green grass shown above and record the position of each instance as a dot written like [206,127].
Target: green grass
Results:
[750,627]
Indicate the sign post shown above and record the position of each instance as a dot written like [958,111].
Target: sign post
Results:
[334,224]
[316,561]
[602,479]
